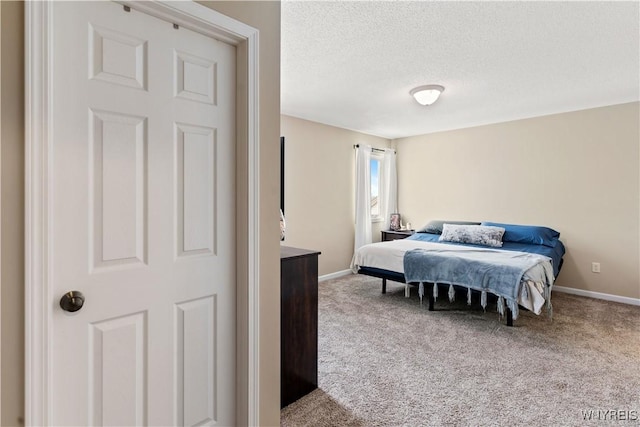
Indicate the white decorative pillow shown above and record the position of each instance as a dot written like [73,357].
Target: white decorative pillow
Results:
[474,234]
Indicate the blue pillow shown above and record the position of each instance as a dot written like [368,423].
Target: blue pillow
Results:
[435,226]
[531,234]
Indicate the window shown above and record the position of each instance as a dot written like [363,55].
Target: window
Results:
[376,205]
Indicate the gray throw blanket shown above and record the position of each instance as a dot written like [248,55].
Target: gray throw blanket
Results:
[485,270]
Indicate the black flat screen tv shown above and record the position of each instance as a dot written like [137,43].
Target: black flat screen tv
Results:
[282,174]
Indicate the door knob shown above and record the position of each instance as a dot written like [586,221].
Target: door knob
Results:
[72,301]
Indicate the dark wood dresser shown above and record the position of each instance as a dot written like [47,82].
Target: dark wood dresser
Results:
[298,323]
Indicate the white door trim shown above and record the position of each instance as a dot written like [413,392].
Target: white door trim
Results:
[0,204]
[38,297]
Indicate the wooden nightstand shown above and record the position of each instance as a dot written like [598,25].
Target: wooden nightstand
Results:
[388,235]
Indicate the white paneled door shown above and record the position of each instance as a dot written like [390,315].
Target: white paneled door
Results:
[142,190]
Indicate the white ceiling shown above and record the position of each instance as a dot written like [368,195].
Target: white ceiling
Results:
[352,64]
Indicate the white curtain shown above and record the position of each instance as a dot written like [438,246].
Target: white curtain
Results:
[389,180]
[363,196]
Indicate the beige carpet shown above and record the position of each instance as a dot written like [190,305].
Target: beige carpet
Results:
[386,361]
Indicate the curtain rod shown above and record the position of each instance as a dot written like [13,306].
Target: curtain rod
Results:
[372,148]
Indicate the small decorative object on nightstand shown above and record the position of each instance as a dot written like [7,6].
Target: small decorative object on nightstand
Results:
[388,235]
[395,222]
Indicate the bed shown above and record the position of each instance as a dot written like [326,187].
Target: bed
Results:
[516,263]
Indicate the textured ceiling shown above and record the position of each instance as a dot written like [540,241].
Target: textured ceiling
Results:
[352,64]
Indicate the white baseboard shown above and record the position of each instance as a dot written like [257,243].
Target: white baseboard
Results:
[334,275]
[598,295]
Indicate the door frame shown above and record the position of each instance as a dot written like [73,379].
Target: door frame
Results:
[39,303]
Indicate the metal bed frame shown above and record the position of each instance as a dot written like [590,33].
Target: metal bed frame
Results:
[399,277]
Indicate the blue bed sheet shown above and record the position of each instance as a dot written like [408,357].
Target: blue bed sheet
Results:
[555,253]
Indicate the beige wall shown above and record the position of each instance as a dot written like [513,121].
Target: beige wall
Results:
[319,189]
[264,16]
[12,203]
[576,172]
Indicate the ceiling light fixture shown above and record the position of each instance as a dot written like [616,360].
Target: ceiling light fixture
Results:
[427,95]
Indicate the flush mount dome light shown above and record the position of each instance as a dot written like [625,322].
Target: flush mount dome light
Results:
[427,95]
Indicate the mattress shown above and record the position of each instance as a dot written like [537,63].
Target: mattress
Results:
[390,256]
